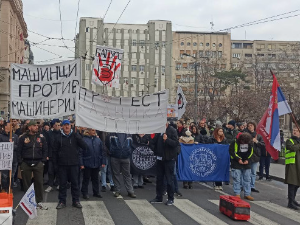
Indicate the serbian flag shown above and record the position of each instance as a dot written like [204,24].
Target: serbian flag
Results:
[268,127]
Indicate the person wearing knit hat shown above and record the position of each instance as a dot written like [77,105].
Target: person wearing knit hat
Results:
[231,132]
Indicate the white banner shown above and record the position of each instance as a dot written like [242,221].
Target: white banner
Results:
[28,203]
[107,66]
[132,115]
[181,101]
[44,91]
[6,155]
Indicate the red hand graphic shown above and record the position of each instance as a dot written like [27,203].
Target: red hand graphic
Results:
[107,71]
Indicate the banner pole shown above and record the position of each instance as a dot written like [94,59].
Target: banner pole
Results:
[10,172]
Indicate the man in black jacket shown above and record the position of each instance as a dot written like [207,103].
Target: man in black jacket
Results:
[5,137]
[32,153]
[67,155]
[166,152]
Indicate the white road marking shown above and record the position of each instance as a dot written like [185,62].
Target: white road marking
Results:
[197,213]
[146,213]
[283,211]
[254,217]
[95,212]
[210,187]
[48,217]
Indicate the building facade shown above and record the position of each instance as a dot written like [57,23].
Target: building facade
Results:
[210,51]
[12,47]
[147,61]
[28,54]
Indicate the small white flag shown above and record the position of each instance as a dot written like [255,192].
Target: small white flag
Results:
[181,102]
[28,202]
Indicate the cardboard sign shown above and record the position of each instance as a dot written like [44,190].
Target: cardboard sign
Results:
[6,155]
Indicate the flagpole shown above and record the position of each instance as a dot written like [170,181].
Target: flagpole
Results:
[295,121]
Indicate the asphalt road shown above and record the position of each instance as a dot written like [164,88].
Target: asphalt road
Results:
[196,206]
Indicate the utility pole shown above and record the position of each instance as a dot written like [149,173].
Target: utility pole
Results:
[196,92]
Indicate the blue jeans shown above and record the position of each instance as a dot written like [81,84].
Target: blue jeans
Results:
[237,175]
[253,174]
[104,170]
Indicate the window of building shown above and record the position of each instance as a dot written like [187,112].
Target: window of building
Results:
[220,45]
[236,55]
[142,68]
[133,80]
[207,53]
[201,44]
[248,45]
[237,45]
[184,65]
[125,80]
[163,44]
[178,78]
[194,53]
[194,44]
[181,53]
[272,55]
[133,42]
[182,43]
[248,55]
[192,66]
[192,78]
[188,44]
[163,69]
[155,82]
[86,29]
[261,55]
[262,46]
[214,54]
[200,53]
[188,52]
[178,66]
[133,67]
[207,44]
[214,44]
[142,42]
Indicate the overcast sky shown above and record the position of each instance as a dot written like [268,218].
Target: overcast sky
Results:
[42,17]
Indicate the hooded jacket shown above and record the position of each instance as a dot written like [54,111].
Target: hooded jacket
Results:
[32,148]
[119,145]
[94,155]
[68,149]
[167,149]
[236,155]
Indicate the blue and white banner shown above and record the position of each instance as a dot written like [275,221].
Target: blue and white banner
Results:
[204,162]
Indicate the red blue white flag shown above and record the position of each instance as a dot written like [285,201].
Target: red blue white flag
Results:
[268,126]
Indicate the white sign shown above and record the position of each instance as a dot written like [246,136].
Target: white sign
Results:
[28,203]
[6,155]
[6,217]
[107,66]
[132,115]
[44,91]
[181,101]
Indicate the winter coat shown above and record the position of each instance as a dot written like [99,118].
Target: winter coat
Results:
[94,155]
[236,156]
[169,148]
[181,132]
[186,140]
[204,131]
[138,140]
[32,149]
[119,145]
[257,147]
[4,137]
[67,149]
[53,136]
[202,139]
[212,140]
[230,135]
[292,171]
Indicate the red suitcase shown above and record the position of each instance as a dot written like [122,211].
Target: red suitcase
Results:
[234,207]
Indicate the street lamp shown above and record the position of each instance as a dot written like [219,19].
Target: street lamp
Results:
[196,83]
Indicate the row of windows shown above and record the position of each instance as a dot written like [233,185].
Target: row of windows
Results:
[238,55]
[133,80]
[201,44]
[135,68]
[212,54]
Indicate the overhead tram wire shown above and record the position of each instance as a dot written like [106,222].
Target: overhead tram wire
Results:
[91,57]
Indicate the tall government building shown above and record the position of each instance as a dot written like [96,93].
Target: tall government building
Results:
[12,48]
[147,61]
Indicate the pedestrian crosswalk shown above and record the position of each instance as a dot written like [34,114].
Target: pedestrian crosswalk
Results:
[96,212]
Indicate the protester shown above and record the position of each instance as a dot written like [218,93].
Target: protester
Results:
[198,138]
[166,152]
[241,127]
[259,146]
[16,127]
[218,137]
[2,121]
[92,159]
[5,137]
[180,128]
[139,139]
[203,128]
[241,151]
[218,124]
[45,132]
[231,132]
[264,163]
[120,147]
[32,153]
[187,139]
[292,172]
[67,151]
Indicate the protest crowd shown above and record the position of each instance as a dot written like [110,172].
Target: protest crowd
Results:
[56,156]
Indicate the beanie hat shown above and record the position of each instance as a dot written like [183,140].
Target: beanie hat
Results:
[231,122]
